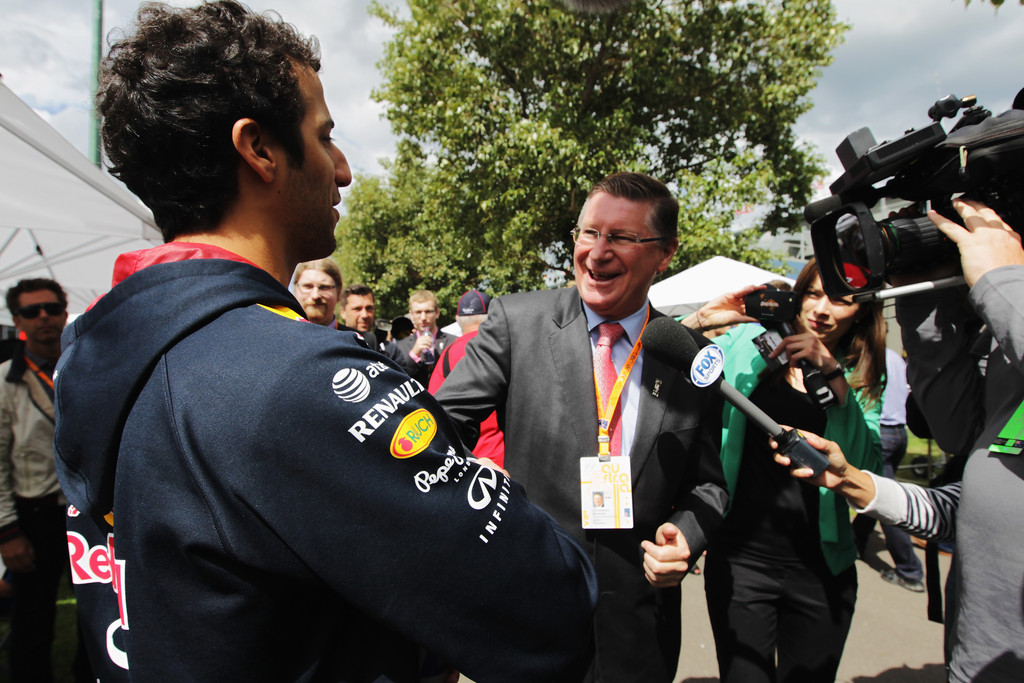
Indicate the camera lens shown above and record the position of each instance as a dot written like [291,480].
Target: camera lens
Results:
[916,242]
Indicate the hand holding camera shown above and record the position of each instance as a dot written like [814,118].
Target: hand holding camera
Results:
[722,311]
[985,241]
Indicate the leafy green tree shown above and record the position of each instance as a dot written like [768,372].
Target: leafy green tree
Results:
[508,110]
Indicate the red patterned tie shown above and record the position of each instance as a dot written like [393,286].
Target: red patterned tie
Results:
[604,371]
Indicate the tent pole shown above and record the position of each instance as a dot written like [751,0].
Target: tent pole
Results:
[97,55]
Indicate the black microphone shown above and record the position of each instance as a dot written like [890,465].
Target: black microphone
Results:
[672,344]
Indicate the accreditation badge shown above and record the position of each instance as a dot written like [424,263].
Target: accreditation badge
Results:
[606,493]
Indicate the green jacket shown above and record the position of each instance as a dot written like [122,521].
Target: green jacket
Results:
[854,426]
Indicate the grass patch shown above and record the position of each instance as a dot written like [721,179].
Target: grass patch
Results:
[923,461]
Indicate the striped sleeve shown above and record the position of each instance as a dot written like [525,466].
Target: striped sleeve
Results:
[928,513]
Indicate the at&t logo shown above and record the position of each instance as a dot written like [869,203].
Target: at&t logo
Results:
[351,385]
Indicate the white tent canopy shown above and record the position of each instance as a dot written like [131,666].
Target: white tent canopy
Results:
[685,292]
[61,217]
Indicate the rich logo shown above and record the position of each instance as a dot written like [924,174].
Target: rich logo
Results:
[707,366]
[351,385]
[414,434]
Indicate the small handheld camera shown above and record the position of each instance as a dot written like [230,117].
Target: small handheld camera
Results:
[771,305]
[776,310]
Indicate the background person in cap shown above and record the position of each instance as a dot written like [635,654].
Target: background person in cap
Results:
[401,327]
[470,314]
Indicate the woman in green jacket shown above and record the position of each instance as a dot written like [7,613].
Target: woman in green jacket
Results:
[779,575]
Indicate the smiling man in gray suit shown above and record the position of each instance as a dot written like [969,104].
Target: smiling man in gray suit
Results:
[658,472]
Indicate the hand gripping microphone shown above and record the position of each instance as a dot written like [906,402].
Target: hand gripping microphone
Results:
[672,344]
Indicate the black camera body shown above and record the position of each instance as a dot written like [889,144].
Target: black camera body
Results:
[776,310]
[982,157]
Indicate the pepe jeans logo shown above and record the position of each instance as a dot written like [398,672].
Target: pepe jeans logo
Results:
[707,366]
[351,385]
[414,434]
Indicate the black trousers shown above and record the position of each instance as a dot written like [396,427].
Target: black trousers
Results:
[35,593]
[778,623]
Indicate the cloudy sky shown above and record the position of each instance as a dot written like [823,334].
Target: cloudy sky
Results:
[897,59]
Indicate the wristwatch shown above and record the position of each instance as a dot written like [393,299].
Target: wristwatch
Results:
[834,374]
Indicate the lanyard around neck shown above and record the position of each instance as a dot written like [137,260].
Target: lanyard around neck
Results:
[43,377]
[603,423]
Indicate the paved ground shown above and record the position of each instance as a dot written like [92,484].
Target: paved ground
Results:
[891,639]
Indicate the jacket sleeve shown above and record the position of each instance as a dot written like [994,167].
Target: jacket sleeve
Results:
[999,299]
[8,516]
[478,384]
[404,518]
[703,498]
[939,332]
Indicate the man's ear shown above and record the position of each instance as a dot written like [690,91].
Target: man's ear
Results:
[668,251]
[255,149]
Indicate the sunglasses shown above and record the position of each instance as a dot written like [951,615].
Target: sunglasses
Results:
[31,311]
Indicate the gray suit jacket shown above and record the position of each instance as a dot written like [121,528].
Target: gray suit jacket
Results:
[531,361]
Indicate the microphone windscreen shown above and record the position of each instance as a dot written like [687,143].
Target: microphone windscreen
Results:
[670,342]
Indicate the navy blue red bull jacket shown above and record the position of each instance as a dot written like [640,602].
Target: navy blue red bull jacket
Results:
[256,498]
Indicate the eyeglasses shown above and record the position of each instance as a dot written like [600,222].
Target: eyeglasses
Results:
[309,287]
[33,310]
[587,237]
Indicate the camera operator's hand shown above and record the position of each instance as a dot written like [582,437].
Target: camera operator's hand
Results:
[727,309]
[852,483]
[985,243]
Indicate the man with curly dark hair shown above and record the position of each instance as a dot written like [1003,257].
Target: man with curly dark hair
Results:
[253,497]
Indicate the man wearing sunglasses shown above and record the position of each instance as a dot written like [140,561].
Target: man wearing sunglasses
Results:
[32,533]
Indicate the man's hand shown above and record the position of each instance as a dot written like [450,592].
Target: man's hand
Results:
[666,560]
[487,462]
[423,342]
[985,243]
[19,555]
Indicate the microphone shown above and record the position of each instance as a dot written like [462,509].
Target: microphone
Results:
[671,343]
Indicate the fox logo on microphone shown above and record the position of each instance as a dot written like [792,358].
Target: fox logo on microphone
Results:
[707,366]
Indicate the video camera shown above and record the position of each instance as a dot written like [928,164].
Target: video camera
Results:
[982,157]
[775,309]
